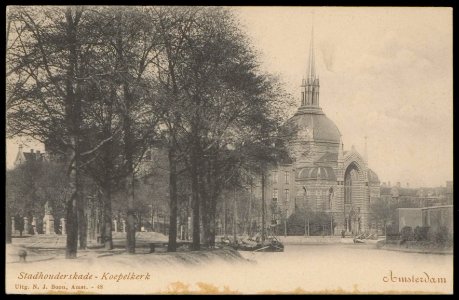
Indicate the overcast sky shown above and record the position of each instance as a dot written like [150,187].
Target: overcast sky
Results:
[385,73]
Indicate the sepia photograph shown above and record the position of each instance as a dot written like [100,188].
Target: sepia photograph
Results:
[228,150]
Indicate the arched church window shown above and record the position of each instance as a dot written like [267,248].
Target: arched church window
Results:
[331,194]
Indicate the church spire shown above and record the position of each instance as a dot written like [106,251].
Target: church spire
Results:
[310,85]
[311,73]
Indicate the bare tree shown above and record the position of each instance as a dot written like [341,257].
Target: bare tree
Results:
[213,93]
[45,94]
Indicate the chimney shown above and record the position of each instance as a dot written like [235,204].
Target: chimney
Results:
[31,150]
[38,151]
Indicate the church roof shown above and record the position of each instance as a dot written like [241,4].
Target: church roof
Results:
[328,157]
[321,127]
[33,156]
[316,173]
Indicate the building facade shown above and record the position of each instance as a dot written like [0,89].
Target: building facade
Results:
[23,157]
[433,217]
[322,177]
[417,197]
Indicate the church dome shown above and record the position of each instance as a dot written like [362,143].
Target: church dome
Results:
[316,173]
[314,124]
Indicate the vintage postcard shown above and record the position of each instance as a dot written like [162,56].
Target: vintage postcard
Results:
[229,150]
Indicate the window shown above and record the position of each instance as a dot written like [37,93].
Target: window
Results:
[275,179]
[287,195]
[287,177]
[275,194]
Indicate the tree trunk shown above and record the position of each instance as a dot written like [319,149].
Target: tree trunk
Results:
[130,224]
[72,212]
[263,209]
[139,222]
[82,225]
[129,188]
[212,223]
[107,223]
[235,216]
[196,245]
[212,174]
[249,214]
[205,197]
[128,137]
[207,223]
[225,216]
[8,227]
[73,119]
[172,245]
[100,224]
[204,217]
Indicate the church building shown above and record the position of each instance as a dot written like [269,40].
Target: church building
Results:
[326,187]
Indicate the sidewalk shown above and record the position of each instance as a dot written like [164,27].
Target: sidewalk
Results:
[305,240]
[391,247]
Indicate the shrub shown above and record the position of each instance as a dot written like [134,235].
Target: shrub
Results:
[441,236]
[391,233]
[407,234]
[421,233]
